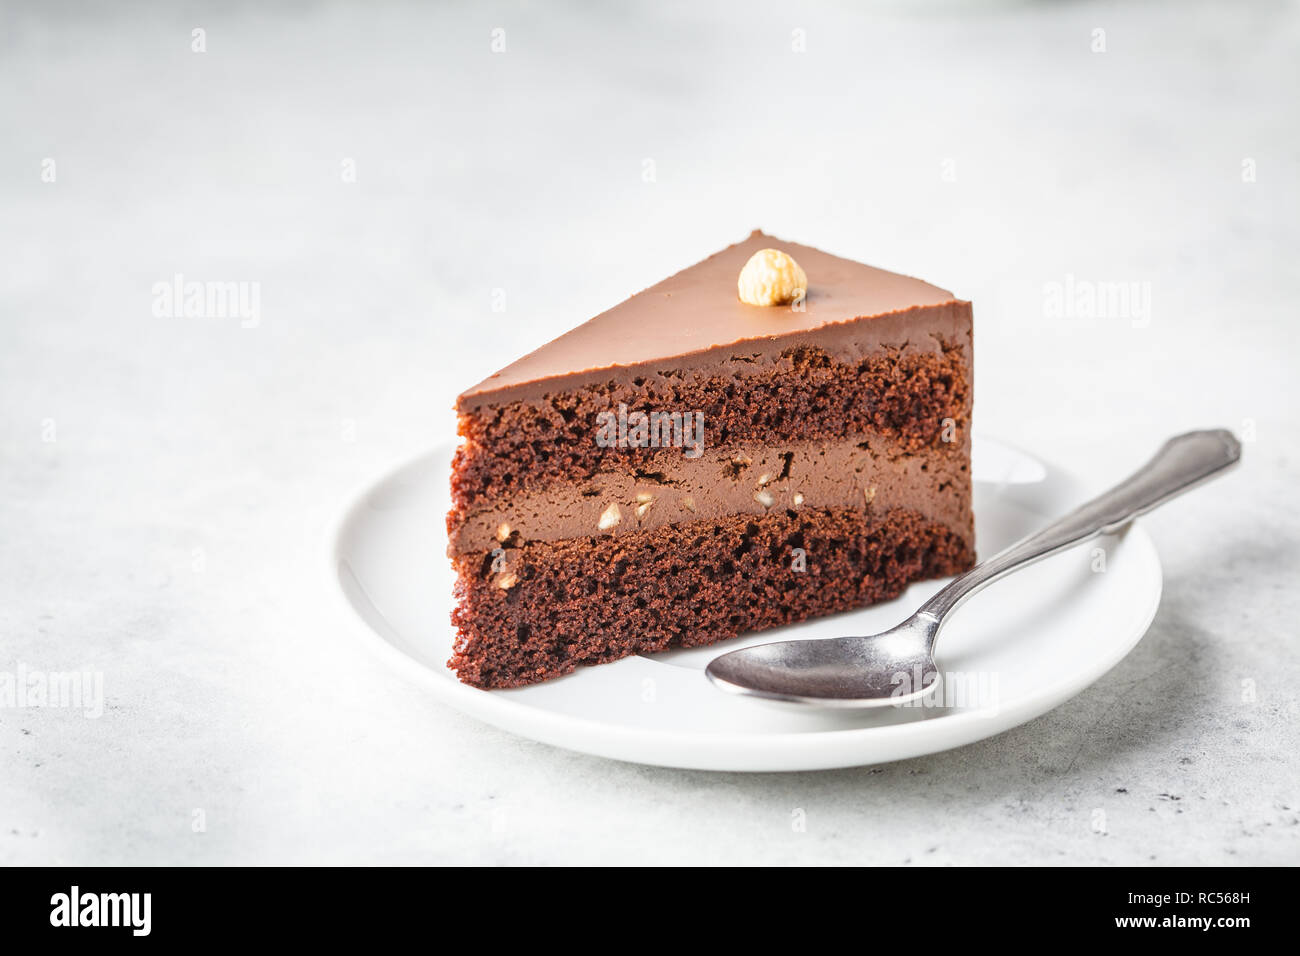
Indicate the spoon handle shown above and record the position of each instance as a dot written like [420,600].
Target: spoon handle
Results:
[1184,462]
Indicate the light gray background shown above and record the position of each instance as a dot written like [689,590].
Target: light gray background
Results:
[171,534]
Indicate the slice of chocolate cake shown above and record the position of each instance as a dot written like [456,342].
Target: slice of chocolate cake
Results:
[721,453]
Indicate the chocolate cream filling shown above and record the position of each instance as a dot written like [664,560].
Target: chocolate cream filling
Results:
[858,472]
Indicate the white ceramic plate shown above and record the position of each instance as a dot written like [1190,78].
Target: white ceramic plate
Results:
[1029,642]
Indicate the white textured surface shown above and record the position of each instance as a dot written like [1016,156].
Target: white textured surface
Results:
[171,535]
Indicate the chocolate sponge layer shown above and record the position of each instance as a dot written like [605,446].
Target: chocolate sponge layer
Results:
[908,398]
[543,609]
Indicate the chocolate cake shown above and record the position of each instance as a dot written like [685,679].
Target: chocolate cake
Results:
[689,466]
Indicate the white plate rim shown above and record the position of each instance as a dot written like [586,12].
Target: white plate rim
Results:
[728,752]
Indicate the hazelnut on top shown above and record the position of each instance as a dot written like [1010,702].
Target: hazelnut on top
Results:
[771,277]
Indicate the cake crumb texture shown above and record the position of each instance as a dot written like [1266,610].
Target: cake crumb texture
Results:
[807,396]
[578,602]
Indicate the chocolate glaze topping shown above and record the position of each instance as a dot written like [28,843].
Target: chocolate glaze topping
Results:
[696,317]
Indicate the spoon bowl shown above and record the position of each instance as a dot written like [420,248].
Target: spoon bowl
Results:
[888,669]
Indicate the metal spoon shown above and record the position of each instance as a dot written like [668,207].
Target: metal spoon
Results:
[864,671]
